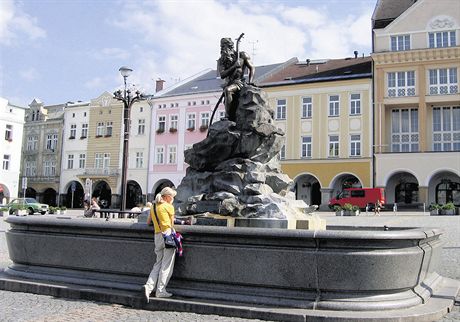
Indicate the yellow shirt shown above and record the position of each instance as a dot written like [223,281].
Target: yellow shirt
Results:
[165,213]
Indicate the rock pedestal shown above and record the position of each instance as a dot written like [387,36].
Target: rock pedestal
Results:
[235,171]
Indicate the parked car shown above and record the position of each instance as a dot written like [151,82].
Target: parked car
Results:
[32,205]
[360,197]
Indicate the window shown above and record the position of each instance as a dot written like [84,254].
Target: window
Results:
[355,145]
[141,127]
[442,39]
[355,104]
[159,155]
[102,160]
[357,193]
[221,116]
[9,132]
[446,128]
[161,123]
[84,131]
[82,161]
[51,142]
[404,130]
[448,191]
[283,152]
[443,81]
[70,161]
[401,84]
[399,43]
[32,143]
[334,105]
[204,120]
[139,160]
[333,146]
[31,168]
[108,128]
[172,153]
[73,131]
[191,121]
[306,147]
[99,129]
[173,122]
[306,107]
[6,161]
[281,109]
[47,168]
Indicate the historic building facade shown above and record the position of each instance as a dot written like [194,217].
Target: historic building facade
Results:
[11,128]
[41,151]
[416,58]
[325,109]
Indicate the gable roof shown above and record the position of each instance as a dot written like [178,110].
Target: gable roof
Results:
[322,70]
[388,10]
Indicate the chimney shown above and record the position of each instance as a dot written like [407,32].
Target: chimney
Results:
[159,85]
[356,54]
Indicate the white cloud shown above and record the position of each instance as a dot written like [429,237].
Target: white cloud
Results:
[14,23]
[111,53]
[96,82]
[182,38]
[29,74]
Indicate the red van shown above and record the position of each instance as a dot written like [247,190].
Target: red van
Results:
[358,197]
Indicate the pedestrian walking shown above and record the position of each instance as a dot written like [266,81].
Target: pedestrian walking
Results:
[377,207]
[163,226]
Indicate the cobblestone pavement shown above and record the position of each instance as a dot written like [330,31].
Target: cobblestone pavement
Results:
[25,307]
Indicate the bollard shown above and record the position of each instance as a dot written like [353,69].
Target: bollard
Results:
[395,208]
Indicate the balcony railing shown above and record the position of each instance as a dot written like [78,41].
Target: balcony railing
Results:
[43,179]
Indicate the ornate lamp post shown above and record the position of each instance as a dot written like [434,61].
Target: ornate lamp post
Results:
[128,98]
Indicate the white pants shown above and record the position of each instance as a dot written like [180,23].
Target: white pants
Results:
[163,267]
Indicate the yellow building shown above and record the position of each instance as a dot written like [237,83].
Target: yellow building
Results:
[324,107]
[416,58]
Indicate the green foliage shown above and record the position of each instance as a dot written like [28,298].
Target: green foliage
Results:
[348,207]
[435,206]
[355,208]
[3,209]
[63,208]
[337,208]
[448,206]
[52,210]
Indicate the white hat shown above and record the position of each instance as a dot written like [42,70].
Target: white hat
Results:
[167,191]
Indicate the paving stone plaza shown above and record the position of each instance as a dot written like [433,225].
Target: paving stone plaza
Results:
[17,306]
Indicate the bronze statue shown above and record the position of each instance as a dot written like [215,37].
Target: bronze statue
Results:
[232,66]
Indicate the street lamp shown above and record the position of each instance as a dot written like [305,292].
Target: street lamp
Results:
[128,98]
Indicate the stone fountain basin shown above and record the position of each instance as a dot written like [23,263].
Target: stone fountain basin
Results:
[339,269]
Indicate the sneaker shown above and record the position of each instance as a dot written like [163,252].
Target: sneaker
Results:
[146,293]
[163,294]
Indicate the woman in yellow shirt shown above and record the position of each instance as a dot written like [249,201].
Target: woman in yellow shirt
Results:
[163,267]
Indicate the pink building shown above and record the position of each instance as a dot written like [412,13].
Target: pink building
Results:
[180,118]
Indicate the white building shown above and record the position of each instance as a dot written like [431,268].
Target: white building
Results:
[11,127]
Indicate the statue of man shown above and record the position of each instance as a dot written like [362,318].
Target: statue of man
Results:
[232,66]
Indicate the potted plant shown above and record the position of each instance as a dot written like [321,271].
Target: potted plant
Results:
[191,129]
[448,209]
[203,128]
[62,210]
[434,209]
[172,130]
[21,210]
[160,130]
[338,210]
[350,210]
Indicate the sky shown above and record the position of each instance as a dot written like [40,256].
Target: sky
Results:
[71,50]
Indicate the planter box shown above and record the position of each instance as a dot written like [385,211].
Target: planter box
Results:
[351,212]
[448,212]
